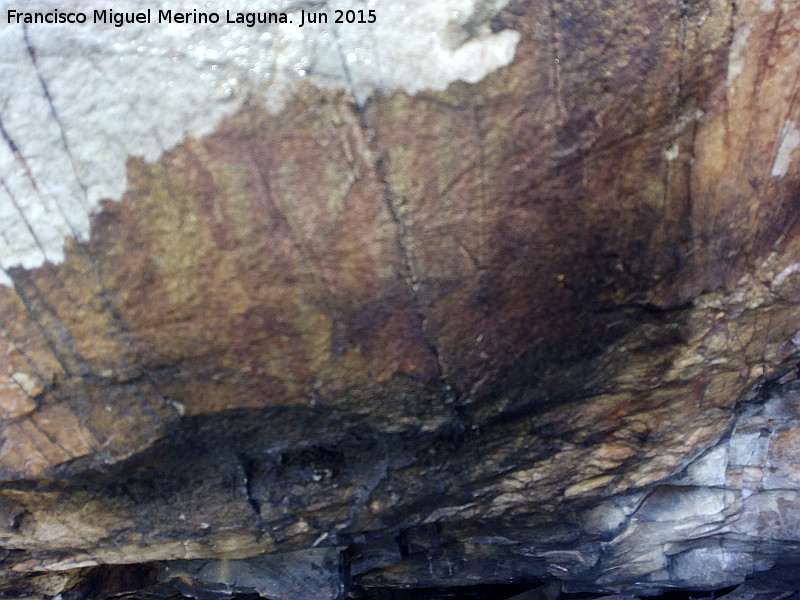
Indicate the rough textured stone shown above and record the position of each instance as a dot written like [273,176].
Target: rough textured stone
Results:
[301,575]
[542,327]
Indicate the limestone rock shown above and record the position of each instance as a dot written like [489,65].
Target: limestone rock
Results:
[302,575]
[536,321]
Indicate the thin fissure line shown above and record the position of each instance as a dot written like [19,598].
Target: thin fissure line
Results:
[69,369]
[48,96]
[411,277]
[39,322]
[482,236]
[556,58]
[381,171]
[103,290]
[32,420]
[296,239]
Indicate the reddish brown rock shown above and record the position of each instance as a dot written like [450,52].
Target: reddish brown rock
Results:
[498,306]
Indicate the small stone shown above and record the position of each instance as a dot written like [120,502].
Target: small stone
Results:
[30,385]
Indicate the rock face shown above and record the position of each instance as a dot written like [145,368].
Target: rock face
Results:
[539,326]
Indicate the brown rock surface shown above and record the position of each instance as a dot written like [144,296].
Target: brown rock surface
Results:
[525,323]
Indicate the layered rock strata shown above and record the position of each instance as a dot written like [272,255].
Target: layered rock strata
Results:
[537,326]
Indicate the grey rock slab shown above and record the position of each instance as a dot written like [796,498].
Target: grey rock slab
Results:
[677,504]
[303,575]
[771,515]
[712,566]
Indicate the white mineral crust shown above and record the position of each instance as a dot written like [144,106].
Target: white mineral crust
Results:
[97,94]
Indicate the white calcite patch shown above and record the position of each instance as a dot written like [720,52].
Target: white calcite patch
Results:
[732,512]
[789,141]
[136,90]
[709,469]
[687,118]
[785,273]
[672,152]
[28,384]
[736,55]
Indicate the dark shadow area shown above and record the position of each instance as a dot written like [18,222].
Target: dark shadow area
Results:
[476,592]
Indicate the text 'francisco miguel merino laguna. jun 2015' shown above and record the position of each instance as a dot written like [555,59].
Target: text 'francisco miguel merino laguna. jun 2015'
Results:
[193,17]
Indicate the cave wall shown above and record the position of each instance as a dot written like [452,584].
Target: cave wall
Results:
[534,318]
